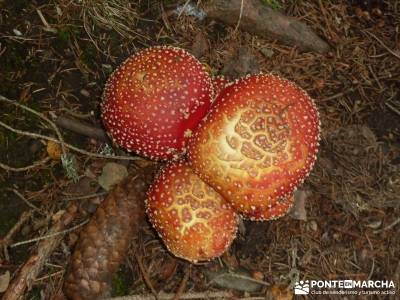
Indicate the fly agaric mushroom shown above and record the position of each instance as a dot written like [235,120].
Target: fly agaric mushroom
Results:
[191,218]
[257,144]
[154,100]
[219,83]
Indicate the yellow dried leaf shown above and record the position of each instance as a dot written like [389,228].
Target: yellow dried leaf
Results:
[54,150]
[279,292]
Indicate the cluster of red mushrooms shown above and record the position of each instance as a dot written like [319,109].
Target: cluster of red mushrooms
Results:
[234,148]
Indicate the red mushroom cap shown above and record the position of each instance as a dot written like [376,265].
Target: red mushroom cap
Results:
[257,144]
[219,83]
[192,219]
[154,100]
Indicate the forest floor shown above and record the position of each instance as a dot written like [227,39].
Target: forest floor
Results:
[55,58]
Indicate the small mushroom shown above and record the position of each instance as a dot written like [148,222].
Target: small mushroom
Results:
[154,100]
[191,218]
[257,144]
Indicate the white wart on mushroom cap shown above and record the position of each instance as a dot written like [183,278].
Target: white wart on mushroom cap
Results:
[191,218]
[154,100]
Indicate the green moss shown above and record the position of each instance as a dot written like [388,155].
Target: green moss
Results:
[35,293]
[169,2]
[63,35]
[89,54]
[120,283]
[274,4]
[6,137]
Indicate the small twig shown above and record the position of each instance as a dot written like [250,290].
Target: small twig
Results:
[85,196]
[240,17]
[23,169]
[50,275]
[90,154]
[338,95]
[371,272]
[34,207]
[182,286]
[392,108]
[23,218]
[164,17]
[68,161]
[52,234]
[43,117]
[390,226]
[261,282]
[46,25]
[4,242]
[165,296]
[146,276]
[82,128]
[183,9]
[383,44]
[77,115]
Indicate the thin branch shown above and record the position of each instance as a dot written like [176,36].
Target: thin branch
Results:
[43,117]
[82,128]
[240,16]
[338,95]
[50,276]
[23,169]
[52,234]
[146,277]
[77,115]
[34,207]
[390,226]
[244,277]
[90,154]
[165,296]
[392,108]
[182,285]
[383,44]
[85,196]
[4,242]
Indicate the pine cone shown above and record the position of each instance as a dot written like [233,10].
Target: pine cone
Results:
[104,241]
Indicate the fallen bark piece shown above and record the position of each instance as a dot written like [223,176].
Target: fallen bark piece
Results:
[82,128]
[34,265]
[104,241]
[262,20]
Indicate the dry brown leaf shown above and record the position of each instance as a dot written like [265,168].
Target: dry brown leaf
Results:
[4,281]
[54,150]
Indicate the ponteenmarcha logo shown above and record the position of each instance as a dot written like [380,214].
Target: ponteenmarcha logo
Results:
[356,287]
[302,287]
